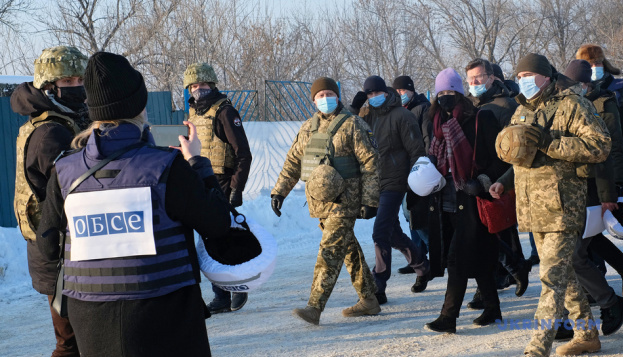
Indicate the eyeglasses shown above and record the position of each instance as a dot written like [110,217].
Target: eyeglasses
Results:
[479,78]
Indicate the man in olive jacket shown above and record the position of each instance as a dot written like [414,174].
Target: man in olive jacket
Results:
[551,196]
[400,145]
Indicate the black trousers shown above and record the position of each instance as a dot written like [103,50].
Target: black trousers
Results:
[455,291]
[169,325]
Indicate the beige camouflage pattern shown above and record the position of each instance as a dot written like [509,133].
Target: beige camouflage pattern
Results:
[354,137]
[512,147]
[26,204]
[199,72]
[559,285]
[550,195]
[325,183]
[58,62]
[339,245]
[220,153]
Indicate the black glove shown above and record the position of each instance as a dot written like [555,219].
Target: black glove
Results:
[538,137]
[473,187]
[358,100]
[367,212]
[235,198]
[276,201]
[433,159]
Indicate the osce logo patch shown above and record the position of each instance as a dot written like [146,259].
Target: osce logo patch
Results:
[109,223]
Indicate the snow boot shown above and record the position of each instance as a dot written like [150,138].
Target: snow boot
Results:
[443,324]
[577,347]
[421,283]
[612,317]
[217,306]
[489,316]
[309,314]
[369,306]
[476,303]
[238,300]
[406,270]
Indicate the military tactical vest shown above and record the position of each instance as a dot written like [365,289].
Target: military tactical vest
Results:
[26,202]
[320,150]
[220,153]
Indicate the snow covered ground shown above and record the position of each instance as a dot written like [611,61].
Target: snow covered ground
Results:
[265,326]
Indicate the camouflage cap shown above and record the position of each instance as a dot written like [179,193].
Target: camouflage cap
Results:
[58,62]
[513,147]
[325,184]
[199,72]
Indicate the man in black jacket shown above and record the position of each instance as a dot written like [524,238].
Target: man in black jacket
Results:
[55,104]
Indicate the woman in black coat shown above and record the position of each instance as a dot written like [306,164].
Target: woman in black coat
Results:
[458,239]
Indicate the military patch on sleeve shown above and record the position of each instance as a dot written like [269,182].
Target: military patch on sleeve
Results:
[237,122]
[596,114]
[372,139]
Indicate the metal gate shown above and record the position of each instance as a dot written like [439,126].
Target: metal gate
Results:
[245,101]
[288,101]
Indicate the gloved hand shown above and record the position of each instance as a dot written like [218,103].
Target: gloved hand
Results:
[276,201]
[358,100]
[235,198]
[367,212]
[473,187]
[538,137]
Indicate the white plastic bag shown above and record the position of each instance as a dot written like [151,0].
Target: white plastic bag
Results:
[424,178]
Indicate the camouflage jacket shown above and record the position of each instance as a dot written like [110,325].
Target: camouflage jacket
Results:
[354,137]
[550,195]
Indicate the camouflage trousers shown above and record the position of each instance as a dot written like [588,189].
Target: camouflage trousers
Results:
[339,245]
[559,286]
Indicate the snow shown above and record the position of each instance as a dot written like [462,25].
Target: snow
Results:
[265,326]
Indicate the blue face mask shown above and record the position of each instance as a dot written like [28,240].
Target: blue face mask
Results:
[583,91]
[528,87]
[377,101]
[478,90]
[404,98]
[327,104]
[598,73]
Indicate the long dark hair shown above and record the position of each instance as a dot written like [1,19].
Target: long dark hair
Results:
[469,110]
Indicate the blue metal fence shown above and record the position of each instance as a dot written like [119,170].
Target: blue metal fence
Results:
[245,101]
[287,100]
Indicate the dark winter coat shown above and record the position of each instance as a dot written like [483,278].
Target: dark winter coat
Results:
[399,140]
[497,100]
[614,85]
[418,105]
[229,129]
[472,248]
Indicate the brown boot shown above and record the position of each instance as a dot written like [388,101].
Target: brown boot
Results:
[368,306]
[309,314]
[577,347]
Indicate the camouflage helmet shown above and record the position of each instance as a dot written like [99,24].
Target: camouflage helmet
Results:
[325,183]
[199,72]
[58,62]
[513,147]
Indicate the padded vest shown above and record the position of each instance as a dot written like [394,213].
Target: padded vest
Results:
[134,277]
[220,153]
[320,150]
[26,202]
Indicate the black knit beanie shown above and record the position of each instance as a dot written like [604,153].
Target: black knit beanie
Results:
[115,90]
[403,82]
[374,84]
[497,71]
[324,83]
[534,63]
[579,71]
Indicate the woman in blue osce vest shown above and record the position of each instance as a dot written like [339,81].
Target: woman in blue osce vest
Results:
[131,273]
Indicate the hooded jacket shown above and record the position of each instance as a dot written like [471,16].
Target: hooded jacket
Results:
[497,100]
[418,105]
[399,140]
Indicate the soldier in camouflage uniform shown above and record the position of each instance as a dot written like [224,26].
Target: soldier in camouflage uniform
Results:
[224,142]
[551,193]
[337,200]
[55,104]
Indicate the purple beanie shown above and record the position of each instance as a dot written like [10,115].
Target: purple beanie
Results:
[448,79]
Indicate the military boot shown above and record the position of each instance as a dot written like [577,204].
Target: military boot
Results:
[309,314]
[577,347]
[443,324]
[369,306]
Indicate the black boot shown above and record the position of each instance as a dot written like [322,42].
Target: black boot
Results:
[238,300]
[476,303]
[406,270]
[563,334]
[217,306]
[521,277]
[489,316]
[443,324]
[421,283]
[381,298]
[612,317]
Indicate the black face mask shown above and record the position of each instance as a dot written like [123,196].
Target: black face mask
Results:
[447,102]
[72,97]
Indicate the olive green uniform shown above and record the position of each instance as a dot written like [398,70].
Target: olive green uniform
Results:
[337,219]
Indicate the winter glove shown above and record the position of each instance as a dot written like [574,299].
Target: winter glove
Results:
[358,100]
[367,212]
[485,181]
[538,137]
[276,201]
[473,187]
[235,198]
